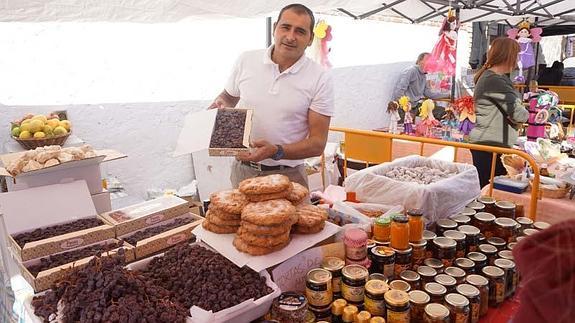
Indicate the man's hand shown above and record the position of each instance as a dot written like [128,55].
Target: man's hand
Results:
[224,100]
[218,103]
[261,150]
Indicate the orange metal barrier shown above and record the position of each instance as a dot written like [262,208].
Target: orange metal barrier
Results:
[375,146]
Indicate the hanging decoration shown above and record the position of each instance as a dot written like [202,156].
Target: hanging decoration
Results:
[428,121]
[443,57]
[465,108]
[405,104]
[319,47]
[525,36]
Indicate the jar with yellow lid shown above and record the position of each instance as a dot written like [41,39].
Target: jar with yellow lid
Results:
[397,306]
[349,313]
[377,319]
[318,289]
[337,310]
[382,229]
[334,265]
[375,297]
[362,317]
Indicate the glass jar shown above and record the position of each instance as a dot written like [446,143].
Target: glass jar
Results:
[418,300]
[540,225]
[374,297]
[471,237]
[473,295]
[466,265]
[525,223]
[418,253]
[289,307]
[402,261]
[479,259]
[505,209]
[382,229]
[427,274]
[508,267]
[377,319]
[461,219]
[362,317]
[334,265]
[468,212]
[337,310]
[436,313]
[484,222]
[370,245]
[482,284]
[397,305]
[497,242]
[457,273]
[529,232]
[489,251]
[399,284]
[488,202]
[458,306]
[435,264]
[443,225]
[459,237]
[349,313]
[496,277]
[399,232]
[447,281]
[321,313]
[436,292]
[355,241]
[383,261]
[412,278]
[377,276]
[445,250]
[429,236]
[511,245]
[415,225]
[353,282]
[506,254]
[505,229]
[318,289]
[476,206]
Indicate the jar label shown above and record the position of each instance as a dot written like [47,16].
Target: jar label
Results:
[461,318]
[356,253]
[319,298]
[336,284]
[396,317]
[388,270]
[375,307]
[399,268]
[475,312]
[499,292]
[352,294]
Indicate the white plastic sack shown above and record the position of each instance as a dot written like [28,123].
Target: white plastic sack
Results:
[438,200]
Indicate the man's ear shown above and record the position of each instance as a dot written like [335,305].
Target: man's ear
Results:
[311,39]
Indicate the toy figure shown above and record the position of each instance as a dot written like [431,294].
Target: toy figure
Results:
[393,113]
[539,114]
[408,119]
[449,122]
[525,36]
[442,58]
[465,108]
[425,127]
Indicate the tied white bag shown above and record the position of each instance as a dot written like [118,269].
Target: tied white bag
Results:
[438,200]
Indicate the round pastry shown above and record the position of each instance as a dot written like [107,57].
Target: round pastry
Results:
[267,197]
[270,230]
[298,193]
[215,219]
[220,229]
[310,216]
[268,212]
[262,240]
[265,184]
[308,230]
[230,201]
[243,246]
[222,214]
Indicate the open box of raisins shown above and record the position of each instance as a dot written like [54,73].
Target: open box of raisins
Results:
[45,220]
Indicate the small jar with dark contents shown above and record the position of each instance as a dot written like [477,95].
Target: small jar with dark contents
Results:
[459,309]
[476,206]
[412,278]
[484,222]
[289,307]
[497,242]
[334,265]
[489,251]
[525,223]
[383,261]
[318,288]
[473,295]
[447,281]
[505,229]
[471,237]
[540,225]
[496,277]
[466,264]
[443,225]
[457,273]
[418,253]
[399,284]
[397,306]
[460,240]
[427,274]
[436,292]
[429,236]
[353,282]
[505,209]
[508,267]
[418,300]
[461,220]
[445,250]
[479,259]
[435,264]
[402,261]
[488,202]
[374,297]
[482,284]
[506,254]
[436,313]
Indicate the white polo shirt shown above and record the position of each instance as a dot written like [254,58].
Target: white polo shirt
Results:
[280,101]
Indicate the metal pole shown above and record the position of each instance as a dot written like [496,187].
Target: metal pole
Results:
[456,44]
[268,31]
[536,72]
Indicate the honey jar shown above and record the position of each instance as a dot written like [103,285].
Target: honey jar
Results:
[505,229]
[418,300]
[382,229]
[399,232]
[374,297]
[349,313]
[399,284]
[496,277]
[473,295]
[505,209]
[337,309]
[471,237]
[397,305]
[484,222]
[318,289]
[334,265]
[488,202]
[445,249]
[460,240]
[443,225]
[415,225]
[446,281]
[362,317]
[353,281]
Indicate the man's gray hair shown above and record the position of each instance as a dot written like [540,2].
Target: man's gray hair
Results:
[421,57]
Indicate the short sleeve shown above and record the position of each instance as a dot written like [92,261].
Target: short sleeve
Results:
[232,85]
[323,100]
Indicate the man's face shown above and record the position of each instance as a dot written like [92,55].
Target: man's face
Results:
[292,35]
[423,63]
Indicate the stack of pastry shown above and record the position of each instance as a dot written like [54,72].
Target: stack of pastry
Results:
[311,219]
[224,213]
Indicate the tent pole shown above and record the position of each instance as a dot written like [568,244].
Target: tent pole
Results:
[268,31]
[456,45]
[536,72]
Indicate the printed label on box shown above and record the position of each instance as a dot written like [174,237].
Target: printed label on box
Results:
[72,243]
[155,219]
[177,239]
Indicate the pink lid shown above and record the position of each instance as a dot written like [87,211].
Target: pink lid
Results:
[355,238]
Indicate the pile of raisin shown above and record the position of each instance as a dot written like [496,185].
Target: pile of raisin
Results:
[56,230]
[228,129]
[150,232]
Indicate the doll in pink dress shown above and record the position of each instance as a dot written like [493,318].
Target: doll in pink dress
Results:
[525,36]
[443,56]
[428,121]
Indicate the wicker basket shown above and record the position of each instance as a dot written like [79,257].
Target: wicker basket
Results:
[34,143]
[552,193]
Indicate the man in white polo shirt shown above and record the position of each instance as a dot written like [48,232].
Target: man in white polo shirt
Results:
[292,98]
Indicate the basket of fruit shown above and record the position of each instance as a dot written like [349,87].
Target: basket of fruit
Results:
[34,131]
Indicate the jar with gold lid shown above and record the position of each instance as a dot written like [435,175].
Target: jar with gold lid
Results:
[471,237]
[416,225]
[377,319]
[476,206]
[399,284]
[353,281]
[459,308]
[337,310]
[466,264]
[427,274]
[349,313]
[374,297]
[473,295]
[505,209]
[397,305]
[497,242]
[418,300]
[511,276]
[334,265]
[457,273]
[505,229]
[436,313]
[443,225]
[399,232]
[488,202]
[447,281]
[459,237]
[436,292]
[482,284]
[484,222]
[362,317]
[318,289]
[445,249]
[496,277]
[412,278]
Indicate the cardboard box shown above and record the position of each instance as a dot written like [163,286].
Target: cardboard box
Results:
[86,169]
[44,279]
[145,214]
[145,248]
[45,206]
[102,202]
[197,133]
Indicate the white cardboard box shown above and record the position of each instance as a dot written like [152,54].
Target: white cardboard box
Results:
[87,169]
[46,206]
[102,202]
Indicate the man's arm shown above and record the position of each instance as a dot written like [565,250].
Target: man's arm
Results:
[401,85]
[224,100]
[312,146]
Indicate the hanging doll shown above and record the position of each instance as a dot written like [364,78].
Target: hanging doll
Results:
[525,36]
[464,106]
[428,121]
[449,122]
[442,58]
[539,114]
[393,114]
[320,48]
[408,119]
